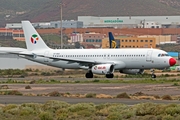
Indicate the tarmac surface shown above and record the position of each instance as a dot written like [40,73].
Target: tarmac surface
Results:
[6,99]
[97,88]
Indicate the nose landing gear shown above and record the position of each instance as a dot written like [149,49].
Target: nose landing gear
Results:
[153,75]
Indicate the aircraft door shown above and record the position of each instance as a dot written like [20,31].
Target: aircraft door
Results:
[149,56]
[45,58]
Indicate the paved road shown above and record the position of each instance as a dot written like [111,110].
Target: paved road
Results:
[27,99]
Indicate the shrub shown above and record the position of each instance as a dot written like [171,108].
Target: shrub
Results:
[95,80]
[28,69]
[175,84]
[173,110]
[82,106]
[167,117]
[90,95]
[9,107]
[139,94]
[53,106]
[46,73]
[54,94]
[150,117]
[45,116]
[36,107]
[123,95]
[157,96]
[4,87]
[146,109]
[114,116]
[32,82]
[26,111]
[13,92]
[62,114]
[166,97]
[28,87]
[77,81]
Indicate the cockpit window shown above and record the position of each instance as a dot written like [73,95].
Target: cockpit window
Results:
[162,55]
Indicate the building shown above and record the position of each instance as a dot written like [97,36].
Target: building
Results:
[160,39]
[132,42]
[52,24]
[131,21]
[67,24]
[18,35]
[92,39]
[76,37]
[13,26]
[6,33]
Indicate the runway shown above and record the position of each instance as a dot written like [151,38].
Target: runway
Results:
[5,99]
[111,89]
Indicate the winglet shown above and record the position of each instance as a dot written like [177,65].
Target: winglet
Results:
[32,38]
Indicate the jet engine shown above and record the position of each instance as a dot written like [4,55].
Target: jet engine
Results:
[103,69]
[132,71]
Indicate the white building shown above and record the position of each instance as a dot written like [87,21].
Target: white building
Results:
[131,21]
[51,24]
[14,26]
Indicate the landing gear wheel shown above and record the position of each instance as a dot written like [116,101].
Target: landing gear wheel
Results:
[109,75]
[153,76]
[89,75]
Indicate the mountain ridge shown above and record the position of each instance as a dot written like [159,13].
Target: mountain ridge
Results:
[48,10]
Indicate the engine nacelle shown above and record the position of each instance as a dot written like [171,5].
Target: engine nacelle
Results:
[132,71]
[103,69]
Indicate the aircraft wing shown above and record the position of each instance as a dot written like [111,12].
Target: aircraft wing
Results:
[86,62]
[15,51]
[78,60]
[11,49]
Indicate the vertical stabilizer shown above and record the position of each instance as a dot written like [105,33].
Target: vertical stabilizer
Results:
[112,42]
[32,38]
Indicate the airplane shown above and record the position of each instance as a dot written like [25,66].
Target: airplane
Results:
[95,61]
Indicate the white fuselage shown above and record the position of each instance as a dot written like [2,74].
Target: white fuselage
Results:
[121,58]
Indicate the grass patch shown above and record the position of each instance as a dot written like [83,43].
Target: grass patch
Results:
[58,110]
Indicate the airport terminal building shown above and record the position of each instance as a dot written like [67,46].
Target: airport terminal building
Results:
[131,21]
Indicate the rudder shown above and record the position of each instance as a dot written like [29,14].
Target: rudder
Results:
[112,42]
[32,38]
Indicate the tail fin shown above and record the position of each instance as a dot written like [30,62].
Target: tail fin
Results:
[32,38]
[112,42]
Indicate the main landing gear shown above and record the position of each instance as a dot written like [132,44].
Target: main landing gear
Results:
[153,75]
[89,74]
[109,75]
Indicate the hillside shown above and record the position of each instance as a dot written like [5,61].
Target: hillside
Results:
[46,10]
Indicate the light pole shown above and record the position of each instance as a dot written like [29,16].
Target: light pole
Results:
[61,4]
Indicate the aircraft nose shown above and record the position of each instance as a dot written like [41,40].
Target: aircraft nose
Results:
[172,61]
